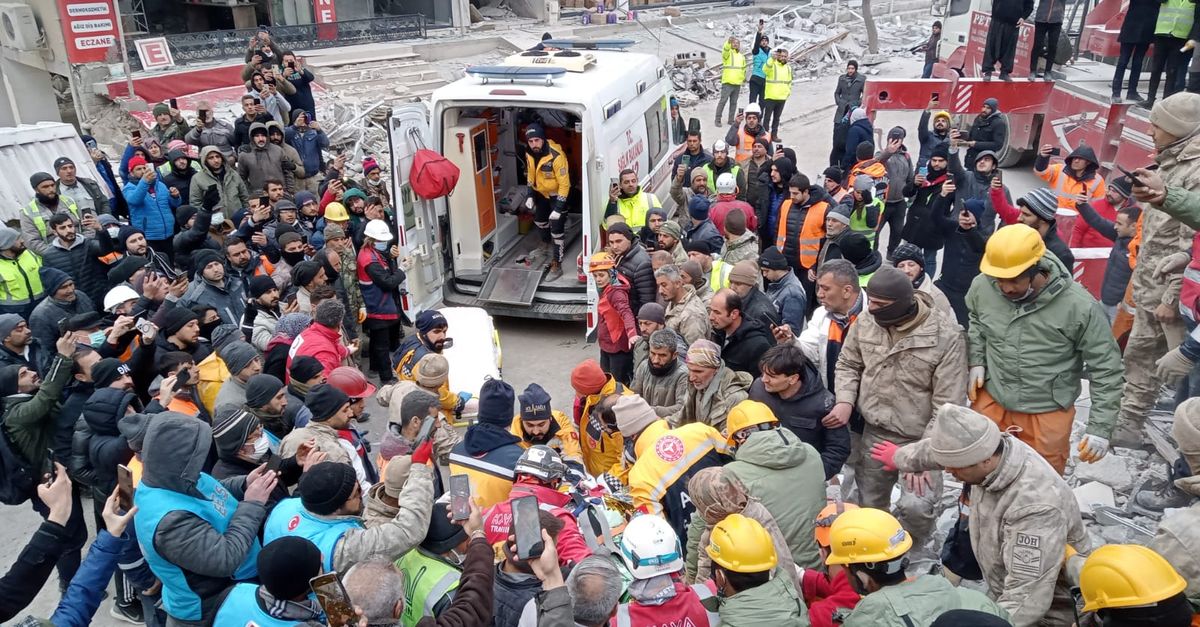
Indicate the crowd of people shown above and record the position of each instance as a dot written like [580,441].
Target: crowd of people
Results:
[772,370]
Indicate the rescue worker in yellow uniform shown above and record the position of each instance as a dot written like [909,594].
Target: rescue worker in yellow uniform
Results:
[777,89]
[537,423]
[600,444]
[19,275]
[488,452]
[662,460]
[549,181]
[733,74]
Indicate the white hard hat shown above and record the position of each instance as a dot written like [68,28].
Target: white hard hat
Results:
[726,184]
[118,295]
[753,108]
[378,230]
[720,146]
[650,547]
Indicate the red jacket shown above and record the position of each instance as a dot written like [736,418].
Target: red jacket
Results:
[617,328]
[1008,212]
[685,608]
[321,342]
[726,203]
[497,520]
[1084,236]
[823,596]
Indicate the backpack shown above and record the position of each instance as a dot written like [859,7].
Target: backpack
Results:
[17,482]
[432,175]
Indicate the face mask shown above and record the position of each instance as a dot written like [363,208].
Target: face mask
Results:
[261,446]
[97,338]
[456,558]
[113,231]
[1026,296]
[293,258]
[218,217]
[381,246]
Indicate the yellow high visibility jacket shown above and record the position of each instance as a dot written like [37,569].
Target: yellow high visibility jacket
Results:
[548,175]
[22,285]
[635,208]
[565,441]
[34,211]
[601,451]
[779,80]
[733,66]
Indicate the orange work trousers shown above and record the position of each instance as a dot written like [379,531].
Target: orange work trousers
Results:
[1049,433]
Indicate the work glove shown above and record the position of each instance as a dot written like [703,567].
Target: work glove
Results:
[975,381]
[423,454]
[885,453]
[211,198]
[559,204]
[1092,448]
[1173,366]
[529,202]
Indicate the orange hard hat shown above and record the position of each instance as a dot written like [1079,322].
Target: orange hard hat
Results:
[825,520]
[351,382]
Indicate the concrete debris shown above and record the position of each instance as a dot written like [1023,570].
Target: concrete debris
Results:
[1116,472]
[1094,493]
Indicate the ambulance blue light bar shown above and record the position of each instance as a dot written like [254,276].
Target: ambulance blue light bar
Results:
[515,73]
[598,44]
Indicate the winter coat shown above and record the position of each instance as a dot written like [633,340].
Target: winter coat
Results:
[1141,17]
[989,132]
[758,179]
[618,325]
[688,318]
[1178,539]
[511,592]
[30,420]
[825,596]
[760,308]
[970,185]
[962,249]
[929,139]
[742,349]
[107,446]
[1010,11]
[1050,11]
[741,248]
[1162,235]
[216,133]
[1084,235]
[790,300]
[29,572]
[192,239]
[241,128]
[802,415]
[860,131]
[1048,340]
[921,226]
[308,144]
[705,231]
[636,268]
[153,214]
[917,601]
[234,194]
[900,172]
[711,405]
[258,324]
[774,603]
[848,93]
[229,299]
[81,262]
[48,313]
[302,99]
[89,190]
[1023,516]
[786,474]
[664,393]
[179,179]
[256,165]
[897,378]
[323,343]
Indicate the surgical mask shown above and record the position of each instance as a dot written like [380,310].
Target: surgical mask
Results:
[381,246]
[113,231]
[218,217]
[261,446]
[97,338]
[1025,298]
[456,558]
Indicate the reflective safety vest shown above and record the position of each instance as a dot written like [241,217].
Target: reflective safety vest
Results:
[1189,291]
[745,146]
[687,607]
[289,518]
[718,277]
[876,171]
[1066,187]
[1175,18]
[241,609]
[34,211]
[807,247]
[733,66]
[635,208]
[779,80]
[712,176]
[491,474]
[863,278]
[858,220]
[215,508]
[427,580]
[21,283]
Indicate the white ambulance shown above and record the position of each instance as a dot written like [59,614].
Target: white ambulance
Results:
[607,108]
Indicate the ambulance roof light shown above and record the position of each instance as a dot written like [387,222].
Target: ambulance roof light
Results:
[513,74]
[598,44]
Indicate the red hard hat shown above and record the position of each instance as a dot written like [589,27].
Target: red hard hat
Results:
[351,382]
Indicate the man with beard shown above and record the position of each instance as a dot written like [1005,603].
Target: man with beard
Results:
[19,274]
[292,247]
[988,132]
[213,289]
[46,202]
[922,226]
[267,400]
[538,423]
[213,174]
[262,312]
[662,379]
[1059,331]
[628,200]
[87,193]
[180,331]
[742,339]
[261,161]
[177,174]
[932,138]
[62,301]
[275,134]
[430,337]
[18,346]
[75,255]
[744,130]
[307,276]
[550,180]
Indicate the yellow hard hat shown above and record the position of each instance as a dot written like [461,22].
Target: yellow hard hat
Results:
[866,536]
[601,261]
[825,519]
[1126,575]
[748,414]
[1011,250]
[741,545]
[941,114]
[336,212]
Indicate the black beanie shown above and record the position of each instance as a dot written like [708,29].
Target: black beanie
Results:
[201,258]
[304,368]
[183,214]
[286,564]
[326,487]
[125,268]
[442,535]
[496,403]
[324,401]
[772,259]
[175,318]
[305,272]
[8,379]
[108,370]
[908,252]
[260,389]
[260,285]
[969,618]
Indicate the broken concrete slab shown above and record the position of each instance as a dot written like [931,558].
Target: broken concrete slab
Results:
[1116,472]
[1093,493]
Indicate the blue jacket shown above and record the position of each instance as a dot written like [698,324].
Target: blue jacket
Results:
[861,131]
[309,145]
[153,215]
[83,596]
[706,231]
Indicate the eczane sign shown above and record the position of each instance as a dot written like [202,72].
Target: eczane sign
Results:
[89,29]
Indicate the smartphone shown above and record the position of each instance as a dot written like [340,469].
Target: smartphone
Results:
[426,430]
[741,110]
[923,170]
[291,65]
[1133,177]
[1055,152]
[49,470]
[174,103]
[460,497]
[144,326]
[264,201]
[614,182]
[935,97]
[273,463]
[527,527]
[137,134]
[183,377]
[124,488]
[258,101]
[339,611]
[950,176]
[685,160]
[291,298]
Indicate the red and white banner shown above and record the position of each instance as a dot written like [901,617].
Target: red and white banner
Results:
[89,29]
[325,13]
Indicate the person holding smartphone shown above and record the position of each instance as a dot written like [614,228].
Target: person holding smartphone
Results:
[1076,179]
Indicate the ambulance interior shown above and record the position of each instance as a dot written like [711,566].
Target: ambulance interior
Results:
[490,231]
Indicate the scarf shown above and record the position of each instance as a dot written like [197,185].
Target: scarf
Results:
[298,389]
[299,611]
[274,423]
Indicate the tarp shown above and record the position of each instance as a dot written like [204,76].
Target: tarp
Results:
[33,148]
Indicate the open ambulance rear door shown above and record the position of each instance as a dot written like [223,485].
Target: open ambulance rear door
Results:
[416,218]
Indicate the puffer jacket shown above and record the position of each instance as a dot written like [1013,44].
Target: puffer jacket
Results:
[711,405]
[898,384]
[988,132]
[790,300]
[963,249]
[82,264]
[786,474]
[636,268]
[107,447]
[216,133]
[802,414]
[153,214]
[1023,516]
[774,603]
[234,194]
[860,131]
[1050,11]
[1048,340]
[918,601]
[665,393]
[308,143]
[1162,235]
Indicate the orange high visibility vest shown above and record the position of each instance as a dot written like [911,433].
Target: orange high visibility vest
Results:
[811,232]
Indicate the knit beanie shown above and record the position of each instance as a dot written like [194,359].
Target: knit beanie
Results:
[432,371]
[305,368]
[183,214]
[304,272]
[622,228]
[291,324]
[698,173]
[908,252]
[237,355]
[856,248]
[839,212]
[8,237]
[161,109]
[1122,185]
[38,178]
[1177,114]
[8,379]
[201,258]
[305,196]
[286,564]
[1186,431]
[697,246]
[288,238]
[940,152]
[175,319]
[8,322]
[396,475]
[745,272]
[653,312]
[694,272]
[1042,202]
[224,334]
[891,284]
[535,131]
[231,426]
[698,208]
[588,378]
[431,319]
[52,279]
[124,269]
[633,414]
[442,535]
[962,437]
[993,103]
[704,353]
[133,428]
[260,285]
[260,389]
[772,259]
[108,370]
[535,403]
[333,231]
[324,401]
[496,403]
[969,618]
[326,487]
